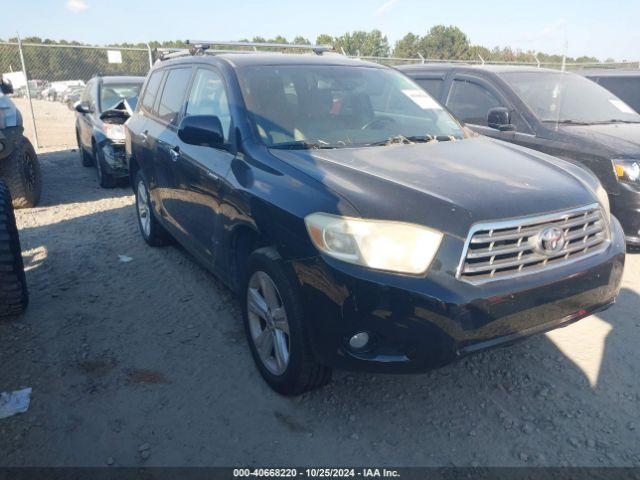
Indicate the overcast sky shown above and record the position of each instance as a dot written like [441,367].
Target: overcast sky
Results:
[596,28]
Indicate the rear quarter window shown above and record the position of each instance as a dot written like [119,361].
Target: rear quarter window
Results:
[151,91]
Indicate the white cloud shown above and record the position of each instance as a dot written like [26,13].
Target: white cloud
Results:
[77,6]
[385,7]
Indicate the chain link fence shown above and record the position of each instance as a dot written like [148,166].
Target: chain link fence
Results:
[396,61]
[55,76]
[57,73]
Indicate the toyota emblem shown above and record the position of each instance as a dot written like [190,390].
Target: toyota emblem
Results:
[551,240]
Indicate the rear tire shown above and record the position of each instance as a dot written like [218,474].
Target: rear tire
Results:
[21,173]
[300,373]
[152,232]
[14,295]
[105,179]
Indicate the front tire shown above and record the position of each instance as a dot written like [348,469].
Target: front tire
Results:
[14,295]
[275,327]
[85,159]
[105,179]
[152,232]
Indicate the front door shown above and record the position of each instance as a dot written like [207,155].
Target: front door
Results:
[203,170]
[470,98]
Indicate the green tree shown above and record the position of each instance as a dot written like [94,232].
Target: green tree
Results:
[442,42]
[407,47]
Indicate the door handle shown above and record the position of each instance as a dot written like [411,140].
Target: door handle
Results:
[175,153]
[144,136]
[212,175]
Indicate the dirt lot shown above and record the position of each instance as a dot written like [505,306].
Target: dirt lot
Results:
[54,121]
[145,363]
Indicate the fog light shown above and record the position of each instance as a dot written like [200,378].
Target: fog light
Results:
[359,340]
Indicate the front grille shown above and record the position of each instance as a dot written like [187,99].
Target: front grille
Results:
[512,248]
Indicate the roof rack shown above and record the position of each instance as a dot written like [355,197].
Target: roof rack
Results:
[202,47]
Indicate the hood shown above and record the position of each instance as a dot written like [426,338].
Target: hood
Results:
[616,139]
[448,185]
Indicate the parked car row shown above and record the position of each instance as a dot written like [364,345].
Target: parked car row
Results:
[361,221]
[559,113]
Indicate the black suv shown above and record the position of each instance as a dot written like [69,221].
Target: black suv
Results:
[101,143]
[362,226]
[559,113]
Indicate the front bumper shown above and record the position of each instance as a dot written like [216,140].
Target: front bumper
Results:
[626,207]
[420,323]
[114,154]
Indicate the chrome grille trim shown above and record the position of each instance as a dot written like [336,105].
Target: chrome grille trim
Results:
[504,249]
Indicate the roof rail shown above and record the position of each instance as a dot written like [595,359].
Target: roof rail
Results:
[200,46]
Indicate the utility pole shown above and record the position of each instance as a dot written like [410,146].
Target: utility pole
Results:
[26,79]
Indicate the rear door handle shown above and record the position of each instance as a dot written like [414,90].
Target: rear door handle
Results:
[175,153]
[144,136]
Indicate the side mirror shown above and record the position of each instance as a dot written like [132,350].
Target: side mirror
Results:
[203,130]
[500,119]
[7,88]
[82,108]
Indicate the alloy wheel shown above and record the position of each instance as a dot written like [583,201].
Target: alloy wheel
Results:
[144,213]
[268,323]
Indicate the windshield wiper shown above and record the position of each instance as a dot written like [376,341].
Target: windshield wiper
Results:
[300,145]
[567,122]
[407,140]
[614,120]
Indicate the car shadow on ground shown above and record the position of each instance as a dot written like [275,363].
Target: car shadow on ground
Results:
[69,185]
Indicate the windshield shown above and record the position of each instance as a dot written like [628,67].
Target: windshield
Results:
[340,106]
[569,98]
[112,93]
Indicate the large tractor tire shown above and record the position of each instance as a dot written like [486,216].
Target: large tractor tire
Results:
[21,172]
[14,295]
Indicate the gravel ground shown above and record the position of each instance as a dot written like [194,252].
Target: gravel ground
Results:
[145,363]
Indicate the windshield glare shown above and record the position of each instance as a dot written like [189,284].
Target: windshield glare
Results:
[336,106]
[567,97]
[112,93]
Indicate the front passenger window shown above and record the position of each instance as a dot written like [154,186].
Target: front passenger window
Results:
[209,97]
[471,102]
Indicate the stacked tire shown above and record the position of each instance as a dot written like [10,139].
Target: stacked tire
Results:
[14,295]
[21,172]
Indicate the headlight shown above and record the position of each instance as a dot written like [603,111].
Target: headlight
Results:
[392,246]
[627,170]
[113,131]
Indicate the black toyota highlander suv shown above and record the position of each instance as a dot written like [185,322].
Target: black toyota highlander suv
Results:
[361,225]
[559,113]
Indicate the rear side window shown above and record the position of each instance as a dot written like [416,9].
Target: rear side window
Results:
[433,86]
[471,102]
[209,97]
[151,91]
[173,94]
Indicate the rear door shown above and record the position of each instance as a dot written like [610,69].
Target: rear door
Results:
[142,144]
[163,128]
[203,169]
